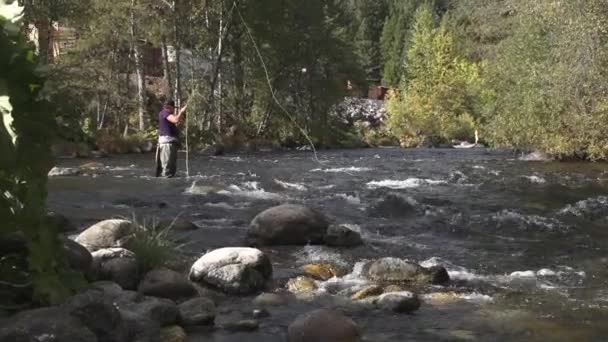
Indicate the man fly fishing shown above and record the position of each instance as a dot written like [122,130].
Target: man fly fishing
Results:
[168,139]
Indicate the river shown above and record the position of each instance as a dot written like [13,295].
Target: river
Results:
[525,243]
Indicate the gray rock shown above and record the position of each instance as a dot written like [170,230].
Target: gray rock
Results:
[401,302]
[323,326]
[536,156]
[79,258]
[140,327]
[116,264]
[242,325]
[116,294]
[160,310]
[51,324]
[233,270]
[393,206]
[166,283]
[287,224]
[106,234]
[196,311]
[63,171]
[99,314]
[341,236]
[393,270]
[272,299]
[59,222]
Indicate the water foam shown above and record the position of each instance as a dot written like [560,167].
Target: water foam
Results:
[343,169]
[351,199]
[250,190]
[526,222]
[535,179]
[295,186]
[587,207]
[403,184]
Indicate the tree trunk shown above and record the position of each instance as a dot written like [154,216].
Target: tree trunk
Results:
[166,68]
[45,34]
[220,113]
[139,71]
[177,57]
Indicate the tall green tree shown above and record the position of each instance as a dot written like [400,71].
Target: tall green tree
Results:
[440,93]
[370,16]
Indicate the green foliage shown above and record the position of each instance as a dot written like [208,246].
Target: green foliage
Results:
[153,247]
[550,80]
[26,128]
[441,93]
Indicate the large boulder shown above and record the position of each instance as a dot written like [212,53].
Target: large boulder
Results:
[341,236]
[51,324]
[99,314]
[107,234]
[79,258]
[166,283]
[116,264]
[287,224]
[233,270]
[196,311]
[323,326]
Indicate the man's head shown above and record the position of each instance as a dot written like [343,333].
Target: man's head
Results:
[169,106]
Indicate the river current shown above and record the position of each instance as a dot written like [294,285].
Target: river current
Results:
[525,243]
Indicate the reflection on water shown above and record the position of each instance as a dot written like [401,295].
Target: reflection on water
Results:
[524,242]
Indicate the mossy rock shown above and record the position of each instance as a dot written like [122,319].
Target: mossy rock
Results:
[301,285]
[369,291]
[324,271]
[173,333]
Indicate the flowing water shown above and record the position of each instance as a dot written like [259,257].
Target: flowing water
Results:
[525,243]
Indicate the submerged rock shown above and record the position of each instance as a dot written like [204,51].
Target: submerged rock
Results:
[59,222]
[63,171]
[46,324]
[341,236]
[287,224]
[242,325]
[323,326]
[401,302]
[271,299]
[177,225]
[107,234]
[116,264]
[301,285]
[174,333]
[166,283]
[233,270]
[196,311]
[366,292]
[98,313]
[393,206]
[324,271]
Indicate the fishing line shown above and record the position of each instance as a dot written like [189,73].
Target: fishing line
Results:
[272,91]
